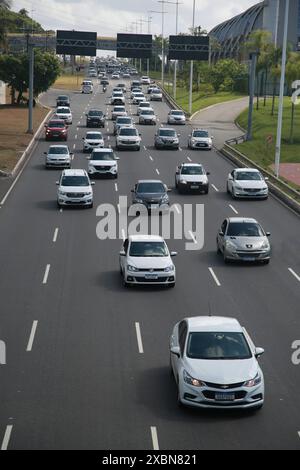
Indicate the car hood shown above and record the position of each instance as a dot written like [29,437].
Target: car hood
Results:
[61,115]
[222,372]
[56,129]
[247,243]
[206,140]
[197,178]
[129,137]
[149,263]
[75,189]
[103,162]
[150,197]
[59,156]
[251,184]
[148,116]
[167,137]
[94,141]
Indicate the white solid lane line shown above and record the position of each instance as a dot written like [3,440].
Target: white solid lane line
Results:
[55,235]
[154,438]
[6,438]
[116,187]
[151,158]
[232,208]
[215,188]
[74,146]
[214,277]
[294,274]
[177,209]
[32,335]
[45,279]
[193,237]
[139,338]
[189,159]
[157,171]
[180,149]
[119,210]
[61,210]
[145,148]
[76,136]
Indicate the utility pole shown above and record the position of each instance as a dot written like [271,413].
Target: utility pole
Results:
[192,66]
[162,12]
[281,93]
[253,57]
[31,79]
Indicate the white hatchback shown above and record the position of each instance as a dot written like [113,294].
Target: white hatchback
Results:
[214,362]
[146,260]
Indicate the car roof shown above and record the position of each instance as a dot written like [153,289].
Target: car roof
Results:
[166,129]
[149,181]
[60,146]
[177,110]
[191,164]
[103,150]
[57,121]
[200,129]
[62,107]
[254,170]
[242,220]
[217,324]
[74,172]
[143,238]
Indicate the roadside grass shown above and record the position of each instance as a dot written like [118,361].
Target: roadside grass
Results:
[13,137]
[265,125]
[69,82]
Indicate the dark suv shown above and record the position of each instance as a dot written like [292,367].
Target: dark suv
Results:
[151,193]
[63,100]
[56,129]
[95,118]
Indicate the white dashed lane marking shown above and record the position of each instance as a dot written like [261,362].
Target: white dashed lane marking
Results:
[32,335]
[215,188]
[232,208]
[294,274]
[214,277]
[6,437]
[45,279]
[154,438]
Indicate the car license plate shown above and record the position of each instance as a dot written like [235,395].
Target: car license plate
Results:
[225,397]
[151,276]
[194,186]
[249,258]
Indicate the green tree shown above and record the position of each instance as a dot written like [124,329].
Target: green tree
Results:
[226,73]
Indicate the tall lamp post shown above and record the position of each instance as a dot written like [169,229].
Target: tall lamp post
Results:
[162,12]
[192,65]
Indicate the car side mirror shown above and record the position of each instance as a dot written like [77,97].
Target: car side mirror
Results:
[175,350]
[45,153]
[117,158]
[221,233]
[259,352]
[173,254]
[169,190]
[57,183]
[266,179]
[208,173]
[132,191]
[268,234]
[122,253]
[71,153]
[92,183]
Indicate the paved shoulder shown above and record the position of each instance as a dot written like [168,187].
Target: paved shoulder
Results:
[220,119]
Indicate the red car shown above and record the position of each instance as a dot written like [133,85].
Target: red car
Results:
[56,129]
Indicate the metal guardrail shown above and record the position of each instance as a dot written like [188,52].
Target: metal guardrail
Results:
[279,188]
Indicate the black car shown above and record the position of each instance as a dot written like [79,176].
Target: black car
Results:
[151,193]
[63,100]
[104,81]
[95,118]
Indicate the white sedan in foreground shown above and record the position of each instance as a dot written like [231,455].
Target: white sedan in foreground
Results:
[146,260]
[215,364]
[247,183]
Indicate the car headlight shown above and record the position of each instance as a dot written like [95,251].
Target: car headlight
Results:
[170,268]
[191,381]
[183,182]
[88,193]
[253,382]
[265,245]
[193,140]
[62,193]
[139,201]
[131,268]
[165,199]
[230,245]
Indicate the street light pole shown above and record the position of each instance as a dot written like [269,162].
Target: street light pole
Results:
[162,12]
[31,75]
[281,93]
[192,66]
[251,93]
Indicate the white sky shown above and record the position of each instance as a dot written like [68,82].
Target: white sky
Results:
[108,17]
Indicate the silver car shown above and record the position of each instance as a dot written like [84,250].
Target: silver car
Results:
[166,138]
[176,116]
[242,239]
[58,156]
[122,121]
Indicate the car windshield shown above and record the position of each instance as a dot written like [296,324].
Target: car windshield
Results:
[119,109]
[117,94]
[124,121]
[152,188]
[58,150]
[155,91]
[200,134]
[145,104]
[218,346]
[248,176]
[244,229]
[148,112]
[139,95]
[104,156]
[167,133]
[62,111]
[94,136]
[148,249]
[192,170]
[128,131]
[63,98]
[95,113]
[75,181]
[177,113]
[56,124]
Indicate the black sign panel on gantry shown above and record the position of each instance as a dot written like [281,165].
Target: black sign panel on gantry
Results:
[188,48]
[76,43]
[134,46]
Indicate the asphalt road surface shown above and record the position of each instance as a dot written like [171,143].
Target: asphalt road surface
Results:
[75,376]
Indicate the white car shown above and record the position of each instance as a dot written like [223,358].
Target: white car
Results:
[87,86]
[147,116]
[115,76]
[138,98]
[92,140]
[145,80]
[63,112]
[122,121]
[103,162]
[215,365]
[146,259]
[74,189]
[156,95]
[191,177]
[247,183]
[143,105]
[117,98]
[176,116]
[118,111]
[200,139]
[128,138]
[58,156]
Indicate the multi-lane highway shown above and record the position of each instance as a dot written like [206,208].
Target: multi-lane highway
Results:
[87,360]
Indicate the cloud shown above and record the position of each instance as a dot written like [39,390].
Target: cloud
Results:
[108,17]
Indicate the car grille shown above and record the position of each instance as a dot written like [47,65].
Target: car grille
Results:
[151,270]
[227,387]
[102,168]
[249,254]
[131,142]
[75,195]
[252,190]
[212,395]
[159,280]
[201,144]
